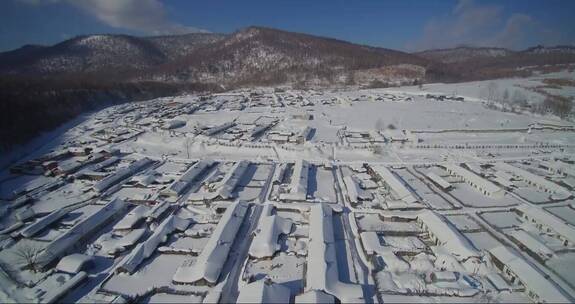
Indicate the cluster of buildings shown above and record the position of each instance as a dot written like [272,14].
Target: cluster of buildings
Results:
[117,213]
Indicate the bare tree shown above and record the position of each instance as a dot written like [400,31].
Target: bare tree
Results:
[558,105]
[492,91]
[420,287]
[505,97]
[29,256]
[380,125]
[350,78]
[518,98]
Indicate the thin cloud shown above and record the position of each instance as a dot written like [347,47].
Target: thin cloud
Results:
[470,23]
[146,16]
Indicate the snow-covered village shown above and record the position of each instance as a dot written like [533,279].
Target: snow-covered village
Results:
[373,151]
[410,194]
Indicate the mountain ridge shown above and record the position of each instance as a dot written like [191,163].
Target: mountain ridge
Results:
[261,55]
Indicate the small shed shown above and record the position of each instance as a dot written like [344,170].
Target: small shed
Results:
[74,263]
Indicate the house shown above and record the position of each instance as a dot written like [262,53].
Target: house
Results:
[354,191]
[498,282]
[63,244]
[304,135]
[303,116]
[537,286]
[231,179]
[259,130]
[178,187]
[298,184]
[556,167]
[547,223]
[482,185]
[442,232]
[74,263]
[122,174]
[79,151]
[144,250]
[322,270]
[531,244]
[395,136]
[270,227]
[279,138]
[439,181]
[398,187]
[443,276]
[210,262]
[174,124]
[217,129]
[534,180]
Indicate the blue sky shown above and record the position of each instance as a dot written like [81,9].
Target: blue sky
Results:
[403,24]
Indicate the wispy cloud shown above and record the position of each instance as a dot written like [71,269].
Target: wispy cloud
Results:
[470,23]
[146,16]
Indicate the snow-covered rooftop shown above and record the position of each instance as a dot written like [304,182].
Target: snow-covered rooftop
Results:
[215,253]
[299,181]
[399,188]
[534,281]
[489,188]
[270,227]
[552,222]
[322,273]
[447,235]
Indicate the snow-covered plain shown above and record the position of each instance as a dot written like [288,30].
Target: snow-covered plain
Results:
[280,195]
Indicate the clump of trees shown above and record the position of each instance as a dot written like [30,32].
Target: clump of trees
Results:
[554,104]
[28,256]
[377,84]
[557,105]
[381,126]
[518,98]
[33,105]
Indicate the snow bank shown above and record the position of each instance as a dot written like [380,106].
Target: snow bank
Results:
[55,294]
[264,292]
[314,296]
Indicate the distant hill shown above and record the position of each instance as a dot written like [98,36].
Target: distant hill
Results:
[101,53]
[257,55]
[254,55]
[463,54]
[474,63]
